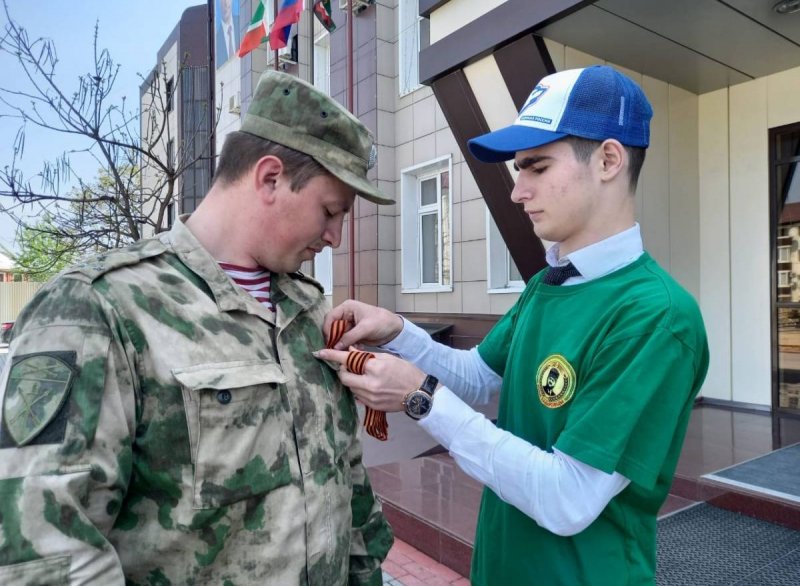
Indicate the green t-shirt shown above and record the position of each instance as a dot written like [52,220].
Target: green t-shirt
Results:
[605,371]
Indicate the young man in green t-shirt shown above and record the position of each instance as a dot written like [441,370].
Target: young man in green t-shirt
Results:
[597,364]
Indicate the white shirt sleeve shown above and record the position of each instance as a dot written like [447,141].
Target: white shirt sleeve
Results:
[560,493]
[462,371]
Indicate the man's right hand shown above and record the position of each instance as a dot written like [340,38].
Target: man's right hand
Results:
[367,324]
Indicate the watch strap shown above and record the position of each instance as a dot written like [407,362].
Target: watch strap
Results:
[429,384]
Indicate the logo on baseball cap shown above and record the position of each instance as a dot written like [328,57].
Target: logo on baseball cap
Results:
[596,103]
[292,112]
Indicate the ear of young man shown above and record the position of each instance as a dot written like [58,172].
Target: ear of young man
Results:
[612,160]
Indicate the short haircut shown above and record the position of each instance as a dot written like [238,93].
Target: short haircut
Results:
[242,150]
[584,147]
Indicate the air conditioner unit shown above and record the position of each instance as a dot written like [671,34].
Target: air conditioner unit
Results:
[234,107]
[358,5]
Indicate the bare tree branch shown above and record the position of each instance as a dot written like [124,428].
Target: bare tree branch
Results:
[140,160]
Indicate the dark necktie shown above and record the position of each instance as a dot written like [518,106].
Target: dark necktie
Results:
[557,275]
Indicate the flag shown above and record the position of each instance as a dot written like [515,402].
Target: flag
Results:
[322,10]
[288,14]
[256,31]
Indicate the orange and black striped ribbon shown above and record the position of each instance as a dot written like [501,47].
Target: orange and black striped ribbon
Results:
[374,421]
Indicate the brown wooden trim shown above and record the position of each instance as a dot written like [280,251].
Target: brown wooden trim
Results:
[428,6]
[497,28]
[463,115]
[522,64]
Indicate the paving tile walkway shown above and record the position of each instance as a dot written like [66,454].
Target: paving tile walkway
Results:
[407,566]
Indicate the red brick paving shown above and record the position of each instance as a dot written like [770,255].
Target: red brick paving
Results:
[411,567]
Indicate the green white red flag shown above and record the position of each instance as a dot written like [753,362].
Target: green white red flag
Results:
[256,31]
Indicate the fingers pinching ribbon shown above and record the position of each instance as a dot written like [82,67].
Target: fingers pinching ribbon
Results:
[357,360]
[374,421]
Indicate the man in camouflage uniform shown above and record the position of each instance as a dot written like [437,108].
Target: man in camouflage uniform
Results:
[162,426]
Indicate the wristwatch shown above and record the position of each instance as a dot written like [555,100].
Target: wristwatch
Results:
[419,402]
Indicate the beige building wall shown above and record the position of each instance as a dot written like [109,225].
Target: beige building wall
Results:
[715,239]
[735,260]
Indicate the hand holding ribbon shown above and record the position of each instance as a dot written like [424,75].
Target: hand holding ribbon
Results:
[374,421]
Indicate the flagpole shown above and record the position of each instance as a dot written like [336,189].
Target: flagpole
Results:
[352,231]
[274,18]
[212,96]
[310,43]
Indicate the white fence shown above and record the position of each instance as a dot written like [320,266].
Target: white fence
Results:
[14,296]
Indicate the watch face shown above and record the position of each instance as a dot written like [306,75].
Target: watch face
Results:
[418,404]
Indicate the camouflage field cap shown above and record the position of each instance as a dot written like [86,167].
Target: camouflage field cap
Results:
[291,112]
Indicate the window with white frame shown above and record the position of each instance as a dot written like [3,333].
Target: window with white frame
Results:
[783,279]
[425,215]
[408,46]
[323,262]
[784,253]
[504,276]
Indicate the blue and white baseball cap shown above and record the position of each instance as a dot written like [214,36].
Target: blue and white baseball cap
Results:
[596,102]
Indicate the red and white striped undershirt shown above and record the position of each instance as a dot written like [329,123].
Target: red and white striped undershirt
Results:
[254,281]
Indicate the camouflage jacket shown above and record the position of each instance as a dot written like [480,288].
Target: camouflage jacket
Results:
[160,426]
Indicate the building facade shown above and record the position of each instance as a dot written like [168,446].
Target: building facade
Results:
[176,121]
[7,269]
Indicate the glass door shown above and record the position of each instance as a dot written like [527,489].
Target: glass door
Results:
[785,188]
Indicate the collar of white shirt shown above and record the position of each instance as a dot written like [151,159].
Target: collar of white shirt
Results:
[601,258]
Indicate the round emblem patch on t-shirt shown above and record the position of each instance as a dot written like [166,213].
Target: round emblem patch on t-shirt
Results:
[555,381]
